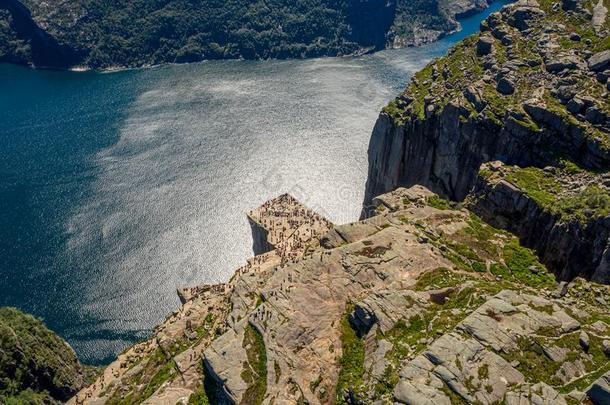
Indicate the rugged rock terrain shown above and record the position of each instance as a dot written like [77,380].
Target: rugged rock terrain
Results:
[422,303]
[101,34]
[36,366]
[561,211]
[530,90]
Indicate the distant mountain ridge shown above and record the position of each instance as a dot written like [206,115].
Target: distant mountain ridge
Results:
[108,34]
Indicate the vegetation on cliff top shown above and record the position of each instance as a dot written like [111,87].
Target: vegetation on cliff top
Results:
[255,370]
[553,193]
[471,80]
[351,364]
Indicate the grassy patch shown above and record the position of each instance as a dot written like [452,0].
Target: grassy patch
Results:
[351,365]
[584,205]
[537,184]
[403,334]
[440,203]
[387,382]
[483,372]
[524,266]
[158,379]
[255,369]
[592,202]
[440,277]
[199,398]
[533,363]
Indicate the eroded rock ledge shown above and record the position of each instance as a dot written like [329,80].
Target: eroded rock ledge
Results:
[421,303]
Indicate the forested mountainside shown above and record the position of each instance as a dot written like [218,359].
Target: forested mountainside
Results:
[121,33]
[36,366]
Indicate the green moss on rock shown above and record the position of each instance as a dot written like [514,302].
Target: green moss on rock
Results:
[255,369]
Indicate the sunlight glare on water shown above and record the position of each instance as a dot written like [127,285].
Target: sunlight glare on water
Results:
[119,188]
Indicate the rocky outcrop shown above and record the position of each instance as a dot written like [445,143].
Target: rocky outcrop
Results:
[570,238]
[421,302]
[479,104]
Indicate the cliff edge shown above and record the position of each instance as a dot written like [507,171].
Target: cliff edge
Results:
[421,302]
[531,90]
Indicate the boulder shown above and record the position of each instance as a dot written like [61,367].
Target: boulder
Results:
[408,393]
[584,341]
[474,95]
[599,61]
[564,63]
[599,17]
[606,347]
[570,5]
[575,106]
[561,290]
[523,15]
[595,116]
[505,86]
[599,391]
[565,93]
[484,45]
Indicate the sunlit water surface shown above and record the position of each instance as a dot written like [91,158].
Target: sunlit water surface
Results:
[116,189]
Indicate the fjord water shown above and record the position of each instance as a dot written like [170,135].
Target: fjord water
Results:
[116,189]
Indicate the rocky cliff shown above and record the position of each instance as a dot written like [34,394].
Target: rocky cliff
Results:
[530,90]
[434,297]
[422,303]
[561,211]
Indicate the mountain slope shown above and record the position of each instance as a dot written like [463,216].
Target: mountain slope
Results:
[102,34]
[36,366]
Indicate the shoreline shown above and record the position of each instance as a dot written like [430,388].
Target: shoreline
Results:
[116,69]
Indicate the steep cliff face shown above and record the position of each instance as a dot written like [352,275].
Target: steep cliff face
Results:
[564,215]
[530,90]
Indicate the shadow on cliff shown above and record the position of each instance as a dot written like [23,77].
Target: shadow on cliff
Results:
[46,51]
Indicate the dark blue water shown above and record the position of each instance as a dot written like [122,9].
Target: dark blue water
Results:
[115,189]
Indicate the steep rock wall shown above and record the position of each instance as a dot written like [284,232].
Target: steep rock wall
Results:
[445,150]
[572,248]
[516,93]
